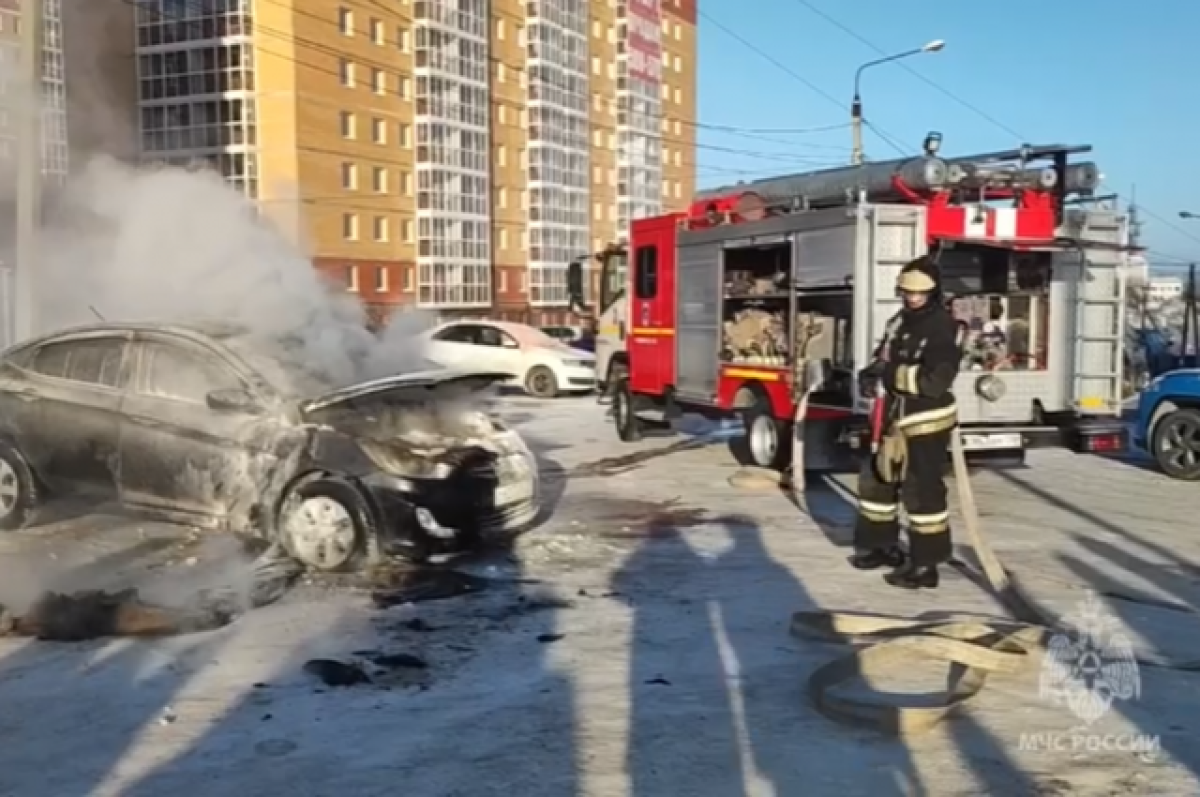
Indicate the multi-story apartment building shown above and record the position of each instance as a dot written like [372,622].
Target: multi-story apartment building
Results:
[53,88]
[449,154]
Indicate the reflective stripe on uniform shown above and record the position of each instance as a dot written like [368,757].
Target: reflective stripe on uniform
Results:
[933,523]
[906,379]
[929,422]
[878,512]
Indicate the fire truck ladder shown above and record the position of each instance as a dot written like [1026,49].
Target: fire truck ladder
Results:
[1099,302]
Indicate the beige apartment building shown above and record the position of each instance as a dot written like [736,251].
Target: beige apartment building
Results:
[449,154]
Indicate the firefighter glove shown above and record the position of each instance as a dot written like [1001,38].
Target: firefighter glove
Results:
[891,460]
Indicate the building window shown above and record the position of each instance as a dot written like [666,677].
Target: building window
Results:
[346,21]
[381,279]
[501,155]
[504,238]
[406,186]
[349,176]
[408,279]
[379,131]
[346,72]
[405,135]
[352,279]
[379,181]
[406,230]
[379,229]
[377,34]
[350,227]
[678,64]
[402,39]
[500,30]
[678,96]
[379,81]
[347,124]
[404,87]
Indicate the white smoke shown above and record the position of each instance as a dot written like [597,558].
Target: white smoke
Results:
[171,245]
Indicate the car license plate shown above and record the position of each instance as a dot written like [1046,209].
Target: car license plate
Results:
[991,442]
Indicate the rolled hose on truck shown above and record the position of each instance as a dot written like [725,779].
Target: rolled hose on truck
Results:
[978,646]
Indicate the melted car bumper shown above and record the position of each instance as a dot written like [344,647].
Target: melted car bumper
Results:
[496,497]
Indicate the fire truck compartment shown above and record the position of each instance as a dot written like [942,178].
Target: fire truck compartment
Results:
[1070,294]
[739,290]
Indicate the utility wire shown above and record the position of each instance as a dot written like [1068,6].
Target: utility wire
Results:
[393,17]
[885,136]
[967,104]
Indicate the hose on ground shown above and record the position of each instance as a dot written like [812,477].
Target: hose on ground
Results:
[976,647]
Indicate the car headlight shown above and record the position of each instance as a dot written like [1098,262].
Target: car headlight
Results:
[1155,384]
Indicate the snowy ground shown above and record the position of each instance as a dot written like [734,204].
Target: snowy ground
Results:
[652,660]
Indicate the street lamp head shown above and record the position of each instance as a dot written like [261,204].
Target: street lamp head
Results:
[934,46]
[1187,214]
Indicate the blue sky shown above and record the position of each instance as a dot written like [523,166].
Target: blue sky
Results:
[1110,73]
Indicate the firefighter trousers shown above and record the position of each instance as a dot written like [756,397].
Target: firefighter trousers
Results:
[923,495]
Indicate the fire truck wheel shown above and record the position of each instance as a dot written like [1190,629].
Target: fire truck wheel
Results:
[629,427]
[767,439]
[541,383]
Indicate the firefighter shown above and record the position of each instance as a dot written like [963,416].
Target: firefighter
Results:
[913,371]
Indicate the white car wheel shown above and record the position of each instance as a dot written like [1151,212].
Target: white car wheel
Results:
[320,532]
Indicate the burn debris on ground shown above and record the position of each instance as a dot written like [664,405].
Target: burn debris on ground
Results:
[417,586]
[336,673]
[95,614]
[396,661]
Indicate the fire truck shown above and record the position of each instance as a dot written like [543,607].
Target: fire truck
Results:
[719,310]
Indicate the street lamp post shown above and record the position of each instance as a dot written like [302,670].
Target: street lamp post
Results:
[856,117]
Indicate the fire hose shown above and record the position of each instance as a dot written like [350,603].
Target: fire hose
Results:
[978,647]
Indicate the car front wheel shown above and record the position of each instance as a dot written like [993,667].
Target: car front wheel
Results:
[19,495]
[326,524]
[540,382]
[1176,444]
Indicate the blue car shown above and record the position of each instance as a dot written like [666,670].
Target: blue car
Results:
[1168,423]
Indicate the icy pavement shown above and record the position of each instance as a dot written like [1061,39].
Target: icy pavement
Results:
[652,659]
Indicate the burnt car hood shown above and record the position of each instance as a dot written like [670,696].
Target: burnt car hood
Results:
[417,387]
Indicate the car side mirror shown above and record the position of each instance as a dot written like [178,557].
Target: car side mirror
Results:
[575,282]
[509,343]
[232,400]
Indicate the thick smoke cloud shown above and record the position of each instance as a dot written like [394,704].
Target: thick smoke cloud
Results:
[180,246]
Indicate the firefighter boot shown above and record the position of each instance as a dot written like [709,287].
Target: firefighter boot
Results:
[877,558]
[914,577]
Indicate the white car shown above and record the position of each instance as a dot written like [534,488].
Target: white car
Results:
[543,366]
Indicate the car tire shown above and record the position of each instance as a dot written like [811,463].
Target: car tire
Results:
[326,524]
[629,426]
[20,496]
[1175,444]
[541,382]
[768,441]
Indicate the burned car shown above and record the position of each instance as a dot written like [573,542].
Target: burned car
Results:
[197,424]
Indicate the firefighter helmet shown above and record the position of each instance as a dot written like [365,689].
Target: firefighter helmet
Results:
[919,276]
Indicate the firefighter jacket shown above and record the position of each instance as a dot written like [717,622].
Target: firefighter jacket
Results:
[917,363]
